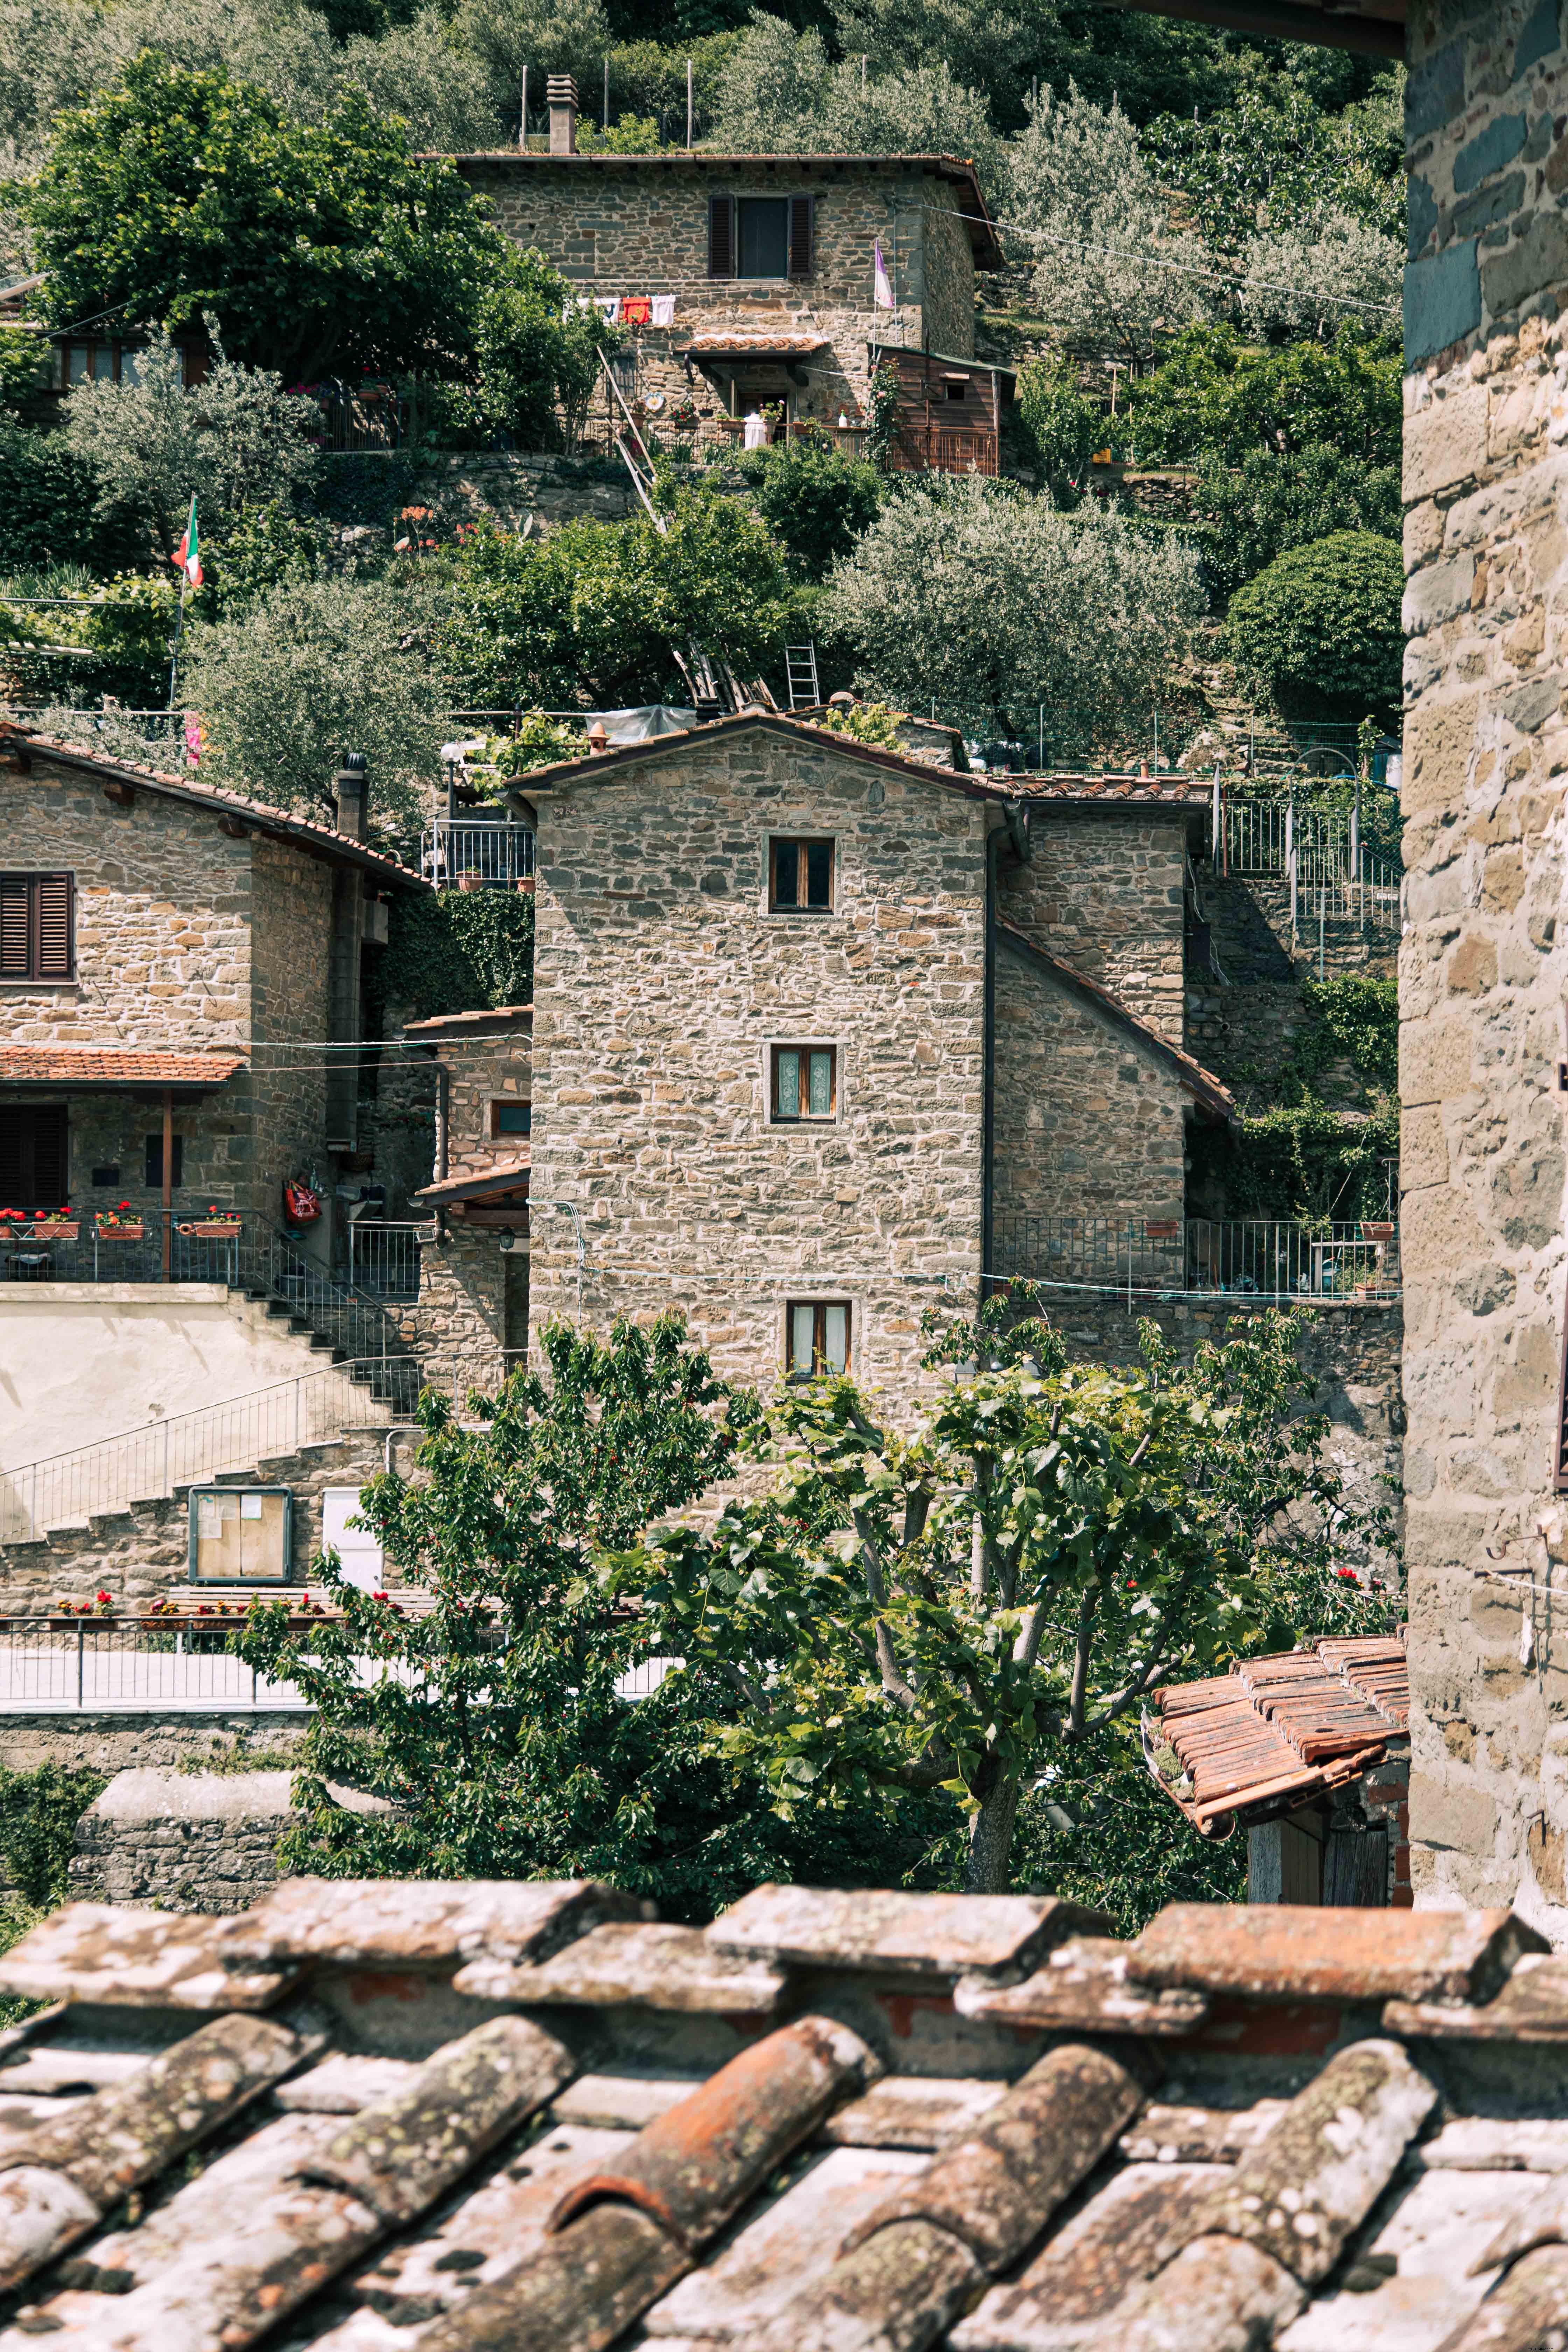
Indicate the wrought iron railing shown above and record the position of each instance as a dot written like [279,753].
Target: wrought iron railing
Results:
[1330,872]
[1352,1263]
[383,1257]
[473,854]
[150,1463]
[174,1245]
[49,1667]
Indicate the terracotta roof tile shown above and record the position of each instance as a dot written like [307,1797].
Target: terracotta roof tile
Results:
[973,2132]
[111,1066]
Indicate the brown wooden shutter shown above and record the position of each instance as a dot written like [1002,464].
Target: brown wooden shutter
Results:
[801,225]
[720,237]
[16,928]
[54,910]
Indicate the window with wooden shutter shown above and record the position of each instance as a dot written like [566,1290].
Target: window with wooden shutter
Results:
[38,927]
[801,226]
[720,237]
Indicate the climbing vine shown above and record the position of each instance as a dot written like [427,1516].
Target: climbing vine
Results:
[458,951]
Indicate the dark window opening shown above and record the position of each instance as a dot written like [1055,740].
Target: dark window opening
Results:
[514,1341]
[818,1339]
[957,391]
[35,1156]
[107,1175]
[154,1175]
[38,927]
[511,1118]
[801,875]
[761,236]
[804,1083]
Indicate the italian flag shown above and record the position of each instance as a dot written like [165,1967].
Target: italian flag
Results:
[187,555]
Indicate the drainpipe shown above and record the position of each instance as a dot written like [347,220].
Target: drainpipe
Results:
[1016,837]
[443,1083]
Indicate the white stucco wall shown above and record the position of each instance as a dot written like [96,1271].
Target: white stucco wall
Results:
[81,1361]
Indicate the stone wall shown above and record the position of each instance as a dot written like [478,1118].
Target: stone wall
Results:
[661,982]
[458,1328]
[166,1742]
[633,227]
[187,1841]
[142,1551]
[1105,894]
[292,919]
[481,1072]
[507,487]
[1484,967]
[1088,1123]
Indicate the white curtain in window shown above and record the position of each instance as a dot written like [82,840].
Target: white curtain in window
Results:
[836,1339]
[801,1320]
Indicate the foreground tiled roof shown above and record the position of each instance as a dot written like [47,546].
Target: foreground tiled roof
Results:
[111,1066]
[1211,1093]
[522,2118]
[1275,1731]
[260,816]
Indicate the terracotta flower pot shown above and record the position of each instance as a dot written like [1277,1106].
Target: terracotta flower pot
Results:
[213,1228]
[121,1232]
[44,1231]
[471,881]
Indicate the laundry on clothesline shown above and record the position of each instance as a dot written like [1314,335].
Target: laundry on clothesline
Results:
[637,309]
[664,310]
[608,306]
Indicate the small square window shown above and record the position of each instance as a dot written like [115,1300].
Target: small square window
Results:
[804,1083]
[511,1118]
[818,1338]
[800,877]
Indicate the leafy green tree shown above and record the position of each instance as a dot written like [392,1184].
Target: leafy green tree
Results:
[1320,629]
[308,670]
[779,93]
[995,603]
[50,512]
[1274,152]
[1312,275]
[317,250]
[960,1609]
[1065,429]
[234,440]
[125,624]
[532,347]
[815,499]
[1252,513]
[494,1723]
[590,614]
[1213,397]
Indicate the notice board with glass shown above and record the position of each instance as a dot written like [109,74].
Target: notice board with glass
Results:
[241,1534]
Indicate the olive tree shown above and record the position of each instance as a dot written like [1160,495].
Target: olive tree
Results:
[996,603]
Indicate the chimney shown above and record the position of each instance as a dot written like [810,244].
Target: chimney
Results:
[349,785]
[561,92]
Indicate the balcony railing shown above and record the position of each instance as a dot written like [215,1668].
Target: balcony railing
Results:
[383,1257]
[476,855]
[1354,1263]
[172,1245]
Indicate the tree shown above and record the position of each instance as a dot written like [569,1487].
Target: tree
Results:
[1212,397]
[590,615]
[309,671]
[816,499]
[317,250]
[550,36]
[234,440]
[1320,629]
[1109,273]
[494,1723]
[1065,427]
[1275,152]
[996,603]
[50,514]
[963,1609]
[532,348]
[779,93]
[1311,277]
[1251,513]
[985,48]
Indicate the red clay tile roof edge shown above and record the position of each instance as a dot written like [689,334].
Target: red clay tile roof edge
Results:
[111,1066]
[1200,1082]
[261,813]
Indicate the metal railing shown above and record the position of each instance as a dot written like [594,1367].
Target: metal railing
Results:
[1329,870]
[1353,1263]
[495,855]
[383,1257]
[47,1668]
[35,1247]
[150,1463]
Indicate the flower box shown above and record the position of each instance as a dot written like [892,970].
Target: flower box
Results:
[1376,1229]
[471,881]
[121,1232]
[52,1229]
[213,1228]
[1161,1229]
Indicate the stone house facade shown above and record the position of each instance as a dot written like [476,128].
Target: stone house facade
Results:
[763,270]
[798,1044]
[471,1322]
[174,959]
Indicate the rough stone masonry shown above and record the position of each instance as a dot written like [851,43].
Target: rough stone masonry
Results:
[1484,967]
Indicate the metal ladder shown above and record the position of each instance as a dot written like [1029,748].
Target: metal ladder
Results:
[800,668]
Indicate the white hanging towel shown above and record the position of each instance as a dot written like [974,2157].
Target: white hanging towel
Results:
[882,291]
[610,305]
[756,436]
[663,311]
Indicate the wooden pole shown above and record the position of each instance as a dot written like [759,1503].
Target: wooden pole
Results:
[606,121]
[523,123]
[168,1183]
[689,109]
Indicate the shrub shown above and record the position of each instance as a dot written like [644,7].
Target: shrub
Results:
[815,500]
[1319,630]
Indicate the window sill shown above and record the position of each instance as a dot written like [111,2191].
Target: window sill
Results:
[40,987]
[831,1120]
[813,914]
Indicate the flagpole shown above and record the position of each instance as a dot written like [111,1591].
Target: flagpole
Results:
[189,561]
[175,641]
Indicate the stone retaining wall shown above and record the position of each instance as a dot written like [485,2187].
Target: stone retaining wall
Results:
[186,1842]
[163,1742]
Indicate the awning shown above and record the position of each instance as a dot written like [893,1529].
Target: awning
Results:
[736,344]
[512,1176]
[75,1069]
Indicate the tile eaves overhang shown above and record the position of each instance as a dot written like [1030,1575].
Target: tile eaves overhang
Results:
[113,1069]
[1375,31]
[957,170]
[321,841]
[460,1028]
[510,1176]
[1206,1089]
[1276,1731]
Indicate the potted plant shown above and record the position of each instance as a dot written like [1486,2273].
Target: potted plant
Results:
[1161,1229]
[121,1224]
[55,1226]
[1377,1229]
[219,1224]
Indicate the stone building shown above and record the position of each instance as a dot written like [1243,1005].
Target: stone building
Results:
[159,937]
[806,1041]
[745,280]
[471,1323]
